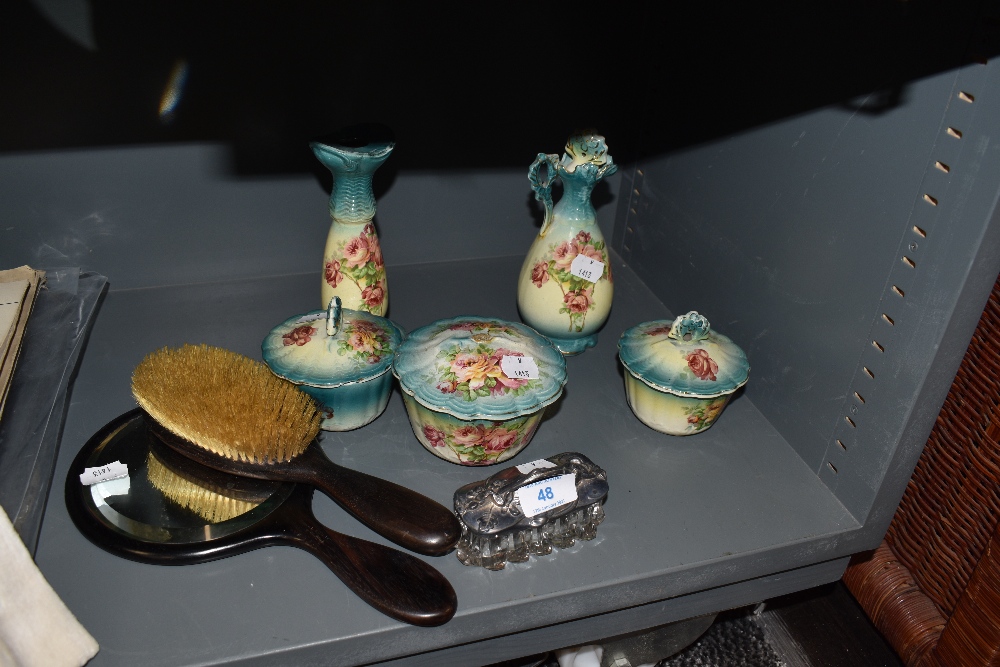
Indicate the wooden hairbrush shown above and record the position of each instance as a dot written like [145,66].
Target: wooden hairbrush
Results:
[229,412]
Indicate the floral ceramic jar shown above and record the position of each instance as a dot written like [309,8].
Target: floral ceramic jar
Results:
[475,388]
[680,374]
[341,358]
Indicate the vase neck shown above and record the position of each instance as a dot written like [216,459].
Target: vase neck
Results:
[352,200]
[574,204]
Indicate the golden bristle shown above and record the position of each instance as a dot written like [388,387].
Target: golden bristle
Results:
[226,403]
[208,503]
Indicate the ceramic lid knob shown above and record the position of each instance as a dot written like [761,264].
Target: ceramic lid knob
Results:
[684,357]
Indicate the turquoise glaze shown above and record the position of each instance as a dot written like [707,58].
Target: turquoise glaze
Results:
[462,405]
[680,374]
[342,358]
[353,267]
[568,306]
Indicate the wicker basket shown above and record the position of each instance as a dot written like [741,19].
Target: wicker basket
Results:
[933,586]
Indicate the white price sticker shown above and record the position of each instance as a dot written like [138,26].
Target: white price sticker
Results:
[587,268]
[113,470]
[547,494]
[519,368]
[525,468]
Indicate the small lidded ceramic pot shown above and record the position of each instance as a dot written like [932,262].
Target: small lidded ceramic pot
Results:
[680,375]
[475,388]
[340,357]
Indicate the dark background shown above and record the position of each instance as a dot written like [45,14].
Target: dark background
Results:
[477,85]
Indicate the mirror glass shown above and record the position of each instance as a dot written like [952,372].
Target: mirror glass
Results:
[166,498]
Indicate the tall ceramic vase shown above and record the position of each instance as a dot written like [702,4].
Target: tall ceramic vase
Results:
[353,268]
[565,287]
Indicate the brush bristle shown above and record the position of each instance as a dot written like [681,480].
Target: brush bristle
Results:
[226,403]
[208,503]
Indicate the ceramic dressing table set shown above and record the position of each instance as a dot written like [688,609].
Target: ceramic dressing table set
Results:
[475,389]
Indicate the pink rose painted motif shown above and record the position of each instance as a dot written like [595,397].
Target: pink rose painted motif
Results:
[299,335]
[578,293]
[332,273]
[702,365]
[365,341]
[475,372]
[659,331]
[480,444]
[704,414]
[359,260]
[434,436]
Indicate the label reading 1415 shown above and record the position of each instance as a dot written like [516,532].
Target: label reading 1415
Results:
[587,268]
[519,368]
[547,494]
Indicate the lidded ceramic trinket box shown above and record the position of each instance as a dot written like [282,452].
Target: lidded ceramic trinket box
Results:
[475,388]
[340,357]
[681,374]
[527,509]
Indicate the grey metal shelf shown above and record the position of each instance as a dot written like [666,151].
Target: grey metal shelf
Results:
[685,514]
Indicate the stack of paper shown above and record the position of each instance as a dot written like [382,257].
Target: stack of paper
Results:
[18,289]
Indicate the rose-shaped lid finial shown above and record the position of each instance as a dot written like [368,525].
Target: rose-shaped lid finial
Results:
[684,357]
[332,347]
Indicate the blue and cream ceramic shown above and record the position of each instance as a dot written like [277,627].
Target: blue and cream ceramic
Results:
[462,405]
[342,361]
[680,374]
[565,287]
[353,267]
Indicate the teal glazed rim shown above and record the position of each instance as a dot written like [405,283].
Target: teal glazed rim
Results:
[659,354]
[424,359]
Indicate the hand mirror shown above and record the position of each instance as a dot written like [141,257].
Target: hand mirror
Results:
[173,511]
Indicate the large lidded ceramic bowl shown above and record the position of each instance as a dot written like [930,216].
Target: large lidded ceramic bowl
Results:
[341,358]
[681,374]
[462,405]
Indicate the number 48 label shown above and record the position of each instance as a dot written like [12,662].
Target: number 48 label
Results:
[547,494]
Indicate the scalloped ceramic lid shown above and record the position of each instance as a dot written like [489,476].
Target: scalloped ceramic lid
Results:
[454,366]
[684,357]
[301,350]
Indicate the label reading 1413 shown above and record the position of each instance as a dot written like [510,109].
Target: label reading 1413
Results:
[547,494]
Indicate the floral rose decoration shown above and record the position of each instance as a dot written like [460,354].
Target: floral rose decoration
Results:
[332,273]
[540,274]
[356,251]
[498,439]
[469,435]
[563,255]
[702,365]
[299,335]
[434,436]
[474,369]
[578,301]
[373,295]
[659,331]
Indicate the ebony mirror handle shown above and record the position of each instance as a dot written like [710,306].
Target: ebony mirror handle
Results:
[395,583]
[395,512]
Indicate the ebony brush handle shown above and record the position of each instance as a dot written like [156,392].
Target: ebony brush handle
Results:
[395,583]
[395,512]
